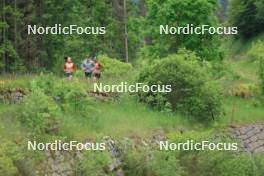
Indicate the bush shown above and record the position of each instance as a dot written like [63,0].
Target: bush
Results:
[261,74]
[70,96]
[78,101]
[242,90]
[218,163]
[212,162]
[259,160]
[114,67]
[256,51]
[256,54]
[193,92]
[143,162]
[165,163]
[7,166]
[43,82]
[93,163]
[39,113]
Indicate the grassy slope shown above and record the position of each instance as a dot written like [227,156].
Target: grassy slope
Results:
[239,62]
[243,71]
[127,117]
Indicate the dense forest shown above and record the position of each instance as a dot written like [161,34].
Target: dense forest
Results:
[23,52]
[216,81]
[130,27]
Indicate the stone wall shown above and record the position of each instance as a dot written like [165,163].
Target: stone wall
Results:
[11,96]
[251,137]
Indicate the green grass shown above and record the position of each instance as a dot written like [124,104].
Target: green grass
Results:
[244,69]
[129,118]
[123,118]
[242,111]
[234,48]
[12,81]
[10,128]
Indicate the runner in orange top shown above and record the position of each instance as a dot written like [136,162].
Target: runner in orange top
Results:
[69,68]
[97,70]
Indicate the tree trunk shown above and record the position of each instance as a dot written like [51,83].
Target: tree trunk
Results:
[40,47]
[15,26]
[4,40]
[126,34]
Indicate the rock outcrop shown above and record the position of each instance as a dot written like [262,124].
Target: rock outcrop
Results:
[251,137]
[12,96]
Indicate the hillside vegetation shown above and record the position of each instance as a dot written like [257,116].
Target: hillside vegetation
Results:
[217,89]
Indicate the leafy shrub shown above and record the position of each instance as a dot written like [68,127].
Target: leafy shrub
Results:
[259,160]
[256,51]
[212,162]
[218,163]
[43,82]
[78,101]
[165,163]
[72,96]
[193,92]
[241,165]
[114,67]
[135,162]
[7,166]
[256,54]
[93,163]
[261,73]
[242,90]
[39,113]
[143,162]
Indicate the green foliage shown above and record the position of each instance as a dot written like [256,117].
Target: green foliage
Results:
[145,162]
[70,95]
[77,100]
[113,67]
[261,73]
[93,163]
[79,74]
[7,166]
[193,91]
[39,113]
[248,16]
[165,163]
[135,163]
[46,52]
[212,162]
[259,160]
[256,51]
[256,54]
[44,82]
[180,13]
[242,165]
[218,163]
